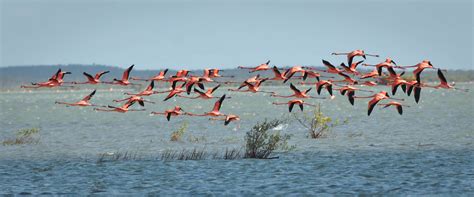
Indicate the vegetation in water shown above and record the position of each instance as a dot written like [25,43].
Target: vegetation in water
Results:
[178,134]
[261,142]
[317,124]
[24,136]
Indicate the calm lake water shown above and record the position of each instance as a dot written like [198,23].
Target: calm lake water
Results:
[429,150]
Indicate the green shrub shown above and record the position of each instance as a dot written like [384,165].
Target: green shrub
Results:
[260,143]
[24,136]
[317,123]
[176,135]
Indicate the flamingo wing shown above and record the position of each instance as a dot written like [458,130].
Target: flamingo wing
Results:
[441,76]
[88,97]
[150,87]
[350,96]
[294,89]
[218,104]
[400,109]
[372,104]
[126,73]
[290,107]
[215,88]
[329,65]
[98,75]
[89,77]
[417,93]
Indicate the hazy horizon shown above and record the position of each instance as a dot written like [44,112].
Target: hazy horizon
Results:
[187,34]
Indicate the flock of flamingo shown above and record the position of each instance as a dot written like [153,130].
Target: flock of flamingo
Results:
[183,85]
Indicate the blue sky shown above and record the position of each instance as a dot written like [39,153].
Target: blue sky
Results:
[191,34]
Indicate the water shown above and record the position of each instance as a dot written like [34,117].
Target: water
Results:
[428,150]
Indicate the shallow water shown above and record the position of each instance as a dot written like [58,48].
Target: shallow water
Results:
[428,150]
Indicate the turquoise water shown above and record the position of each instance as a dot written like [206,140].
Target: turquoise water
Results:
[428,150]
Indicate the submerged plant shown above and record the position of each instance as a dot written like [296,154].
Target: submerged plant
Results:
[176,135]
[260,142]
[317,123]
[24,136]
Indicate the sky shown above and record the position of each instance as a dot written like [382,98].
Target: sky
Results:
[226,34]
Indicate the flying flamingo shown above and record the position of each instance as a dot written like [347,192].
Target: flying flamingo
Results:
[124,81]
[176,111]
[254,88]
[330,68]
[227,119]
[135,98]
[122,109]
[444,83]
[351,69]
[350,90]
[297,93]
[82,103]
[59,76]
[193,80]
[322,83]
[386,64]
[292,103]
[215,111]
[346,79]
[352,54]
[207,76]
[278,75]
[396,80]
[215,73]
[182,73]
[260,67]
[204,95]
[375,99]
[291,71]
[373,74]
[52,82]
[159,77]
[91,79]
[369,83]
[419,68]
[147,92]
[175,90]
[396,104]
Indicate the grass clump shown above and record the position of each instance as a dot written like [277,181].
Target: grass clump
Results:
[24,136]
[261,143]
[118,156]
[178,134]
[317,123]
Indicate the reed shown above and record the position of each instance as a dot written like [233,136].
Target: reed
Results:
[24,136]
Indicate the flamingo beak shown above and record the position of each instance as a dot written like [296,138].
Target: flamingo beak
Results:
[364,56]
[394,62]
